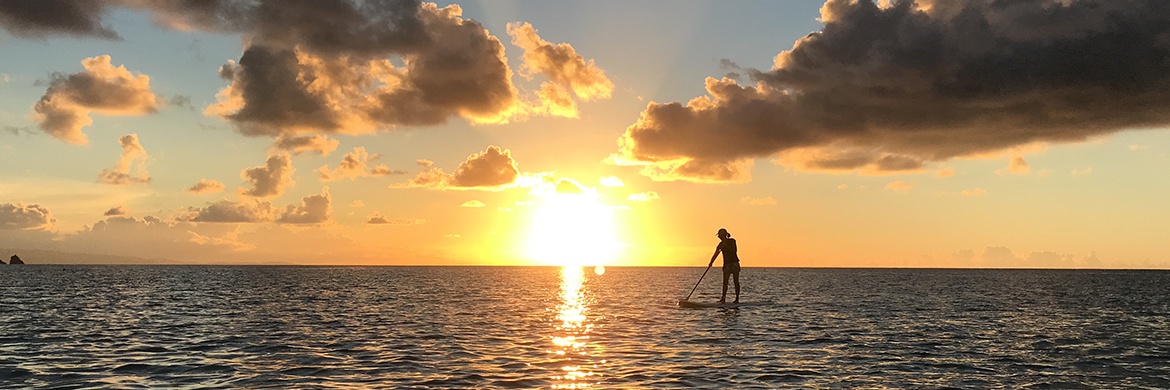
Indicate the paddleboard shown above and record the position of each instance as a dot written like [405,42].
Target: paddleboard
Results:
[728,305]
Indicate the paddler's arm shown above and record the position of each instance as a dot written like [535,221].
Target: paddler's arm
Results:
[717,249]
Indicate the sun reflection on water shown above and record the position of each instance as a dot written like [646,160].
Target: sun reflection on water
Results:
[571,339]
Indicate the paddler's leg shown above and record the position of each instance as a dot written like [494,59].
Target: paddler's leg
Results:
[723,297]
[736,275]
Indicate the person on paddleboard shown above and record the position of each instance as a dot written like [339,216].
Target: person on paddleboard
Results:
[730,262]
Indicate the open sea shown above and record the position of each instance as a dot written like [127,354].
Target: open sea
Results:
[121,326]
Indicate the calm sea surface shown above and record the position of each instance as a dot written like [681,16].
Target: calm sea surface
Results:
[545,327]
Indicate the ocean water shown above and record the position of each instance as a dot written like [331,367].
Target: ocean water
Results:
[549,327]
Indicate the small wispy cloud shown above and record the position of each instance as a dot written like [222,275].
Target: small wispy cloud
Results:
[643,196]
[900,186]
[758,201]
[473,203]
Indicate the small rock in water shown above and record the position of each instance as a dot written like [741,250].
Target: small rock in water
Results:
[15,260]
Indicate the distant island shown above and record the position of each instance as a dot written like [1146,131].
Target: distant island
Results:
[14,260]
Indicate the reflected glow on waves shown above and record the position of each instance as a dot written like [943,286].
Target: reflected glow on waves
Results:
[571,339]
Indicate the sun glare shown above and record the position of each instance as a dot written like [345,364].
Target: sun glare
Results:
[572,230]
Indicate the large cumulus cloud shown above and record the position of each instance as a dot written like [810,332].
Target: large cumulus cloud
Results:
[101,88]
[324,66]
[889,89]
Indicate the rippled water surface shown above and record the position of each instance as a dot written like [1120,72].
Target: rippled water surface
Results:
[505,327]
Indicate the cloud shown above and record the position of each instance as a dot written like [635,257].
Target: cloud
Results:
[353,166]
[1003,257]
[945,172]
[1017,166]
[891,88]
[155,240]
[117,211]
[101,89]
[974,192]
[758,201]
[18,130]
[1081,172]
[44,18]
[230,240]
[379,219]
[315,69]
[319,144]
[900,186]
[181,101]
[313,66]
[842,187]
[314,209]
[472,203]
[425,163]
[560,63]
[357,204]
[643,196]
[246,210]
[205,186]
[132,152]
[569,186]
[612,181]
[492,169]
[25,217]
[271,179]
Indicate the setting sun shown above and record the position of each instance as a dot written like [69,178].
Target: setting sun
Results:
[572,230]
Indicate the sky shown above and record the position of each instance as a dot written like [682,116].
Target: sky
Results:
[839,133]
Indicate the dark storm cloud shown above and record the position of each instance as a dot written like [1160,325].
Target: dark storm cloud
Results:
[886,89]
[44,18]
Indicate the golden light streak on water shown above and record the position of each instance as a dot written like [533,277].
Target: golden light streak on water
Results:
[572,333]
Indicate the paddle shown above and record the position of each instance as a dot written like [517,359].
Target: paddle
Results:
[697,283]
